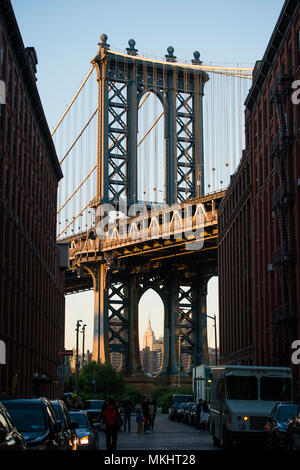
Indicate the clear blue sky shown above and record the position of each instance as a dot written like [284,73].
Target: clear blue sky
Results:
[65,34]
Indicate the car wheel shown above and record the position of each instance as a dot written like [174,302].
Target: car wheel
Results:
[226,442]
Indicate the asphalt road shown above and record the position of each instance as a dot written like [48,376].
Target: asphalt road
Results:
[167,435]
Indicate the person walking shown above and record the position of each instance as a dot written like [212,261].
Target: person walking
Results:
[139,420]
[113,421]
[198,413]
[151,416]
[145,410]
[204,417]
[128,408]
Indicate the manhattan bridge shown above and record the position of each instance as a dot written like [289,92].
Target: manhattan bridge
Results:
[147,147]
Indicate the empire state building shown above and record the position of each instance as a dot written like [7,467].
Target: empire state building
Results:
[148,339]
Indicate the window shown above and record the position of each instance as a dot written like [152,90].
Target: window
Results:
[3,62]
[260,125]
[266,161]
[291,67]
[275,389]
[8,121]
[241,388]
[256,178]
[266,114]
[298,42]
[255,134]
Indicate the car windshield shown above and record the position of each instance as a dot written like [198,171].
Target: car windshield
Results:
[27,417]
[95,404]
[57,410]
[79,418]
[241,388]
[275,389]
[286,412]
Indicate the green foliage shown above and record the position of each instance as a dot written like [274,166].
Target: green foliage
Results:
[133,393]
[109,384]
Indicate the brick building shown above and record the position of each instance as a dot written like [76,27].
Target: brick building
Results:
[235,266]
[31,281]
[272,234]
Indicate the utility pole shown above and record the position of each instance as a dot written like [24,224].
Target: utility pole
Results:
[83,337]
[216,346]
[214,318]
[179,359]
[77,361]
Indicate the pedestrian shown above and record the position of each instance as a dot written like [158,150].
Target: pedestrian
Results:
[139,420]
[113,421]
[145,410]
[128,407]
[204,417]
[198,413]
[151,415]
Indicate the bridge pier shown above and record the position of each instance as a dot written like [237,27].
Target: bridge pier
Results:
[133,363]
[100,341]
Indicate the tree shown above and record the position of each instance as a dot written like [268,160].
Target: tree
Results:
[109,382]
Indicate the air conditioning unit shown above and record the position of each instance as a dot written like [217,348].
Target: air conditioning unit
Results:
[2,92]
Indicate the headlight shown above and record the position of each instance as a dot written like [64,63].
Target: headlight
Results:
[84,440]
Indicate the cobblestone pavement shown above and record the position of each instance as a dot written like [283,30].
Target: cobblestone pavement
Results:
[167,435]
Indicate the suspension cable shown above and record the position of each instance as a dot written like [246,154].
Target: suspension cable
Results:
[74,218]
[79,135]
[68,108]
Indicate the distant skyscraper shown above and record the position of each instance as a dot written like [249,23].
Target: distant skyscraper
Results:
[148,337]
[151,354]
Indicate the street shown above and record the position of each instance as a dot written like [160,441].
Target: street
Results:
[167,435]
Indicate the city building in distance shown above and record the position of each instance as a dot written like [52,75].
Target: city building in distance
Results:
[152,352]
[31,279]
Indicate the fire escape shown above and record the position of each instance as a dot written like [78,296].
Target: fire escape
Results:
[284,315]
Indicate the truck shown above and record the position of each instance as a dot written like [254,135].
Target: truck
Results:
[177,400]
[242,398]
[202,382]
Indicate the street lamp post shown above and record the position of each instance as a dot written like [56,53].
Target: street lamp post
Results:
[77,361]
[83,338]
[179,358]
[214,318]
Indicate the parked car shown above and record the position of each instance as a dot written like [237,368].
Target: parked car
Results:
[276,425]
[94,417]
[35,418]
[188,410]
[293,432]
[84,432]
[68,428]
[177,400]
[10,437]
[181,411]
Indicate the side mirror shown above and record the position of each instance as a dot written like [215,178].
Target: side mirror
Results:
[2,436]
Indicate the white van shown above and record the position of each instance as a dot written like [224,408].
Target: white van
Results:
[242,398]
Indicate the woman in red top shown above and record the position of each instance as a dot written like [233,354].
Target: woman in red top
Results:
[111,429]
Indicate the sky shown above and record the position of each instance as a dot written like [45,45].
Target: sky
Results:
[65,34]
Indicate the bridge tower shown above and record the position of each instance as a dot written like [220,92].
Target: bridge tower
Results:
[121,275]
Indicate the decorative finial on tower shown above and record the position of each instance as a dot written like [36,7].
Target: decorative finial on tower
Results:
[131,49]
[170,57]
[196,59]
[103,44]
